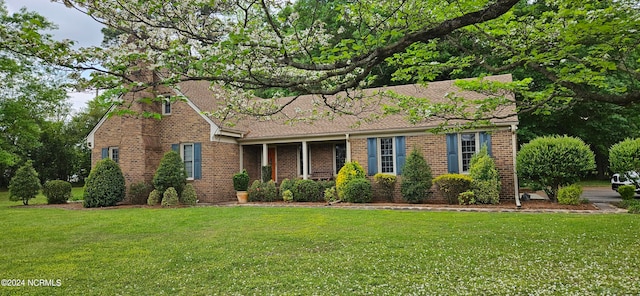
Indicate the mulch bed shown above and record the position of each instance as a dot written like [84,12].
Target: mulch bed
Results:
[505,204]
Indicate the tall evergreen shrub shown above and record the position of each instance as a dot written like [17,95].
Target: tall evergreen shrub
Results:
[170,173]
[416,178]
[105,185]
[25,184]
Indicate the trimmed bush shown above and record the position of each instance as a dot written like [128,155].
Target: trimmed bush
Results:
[387,182]
[486,179]
[105,185]
[261,191]
[154,197]
[486,191]
[350,170]
[189,195]
[570,195]
[170,197]
[170,173]
[287,196]
[241,181]
[25,184]
[554,161]
[416,179]
[357,191]
[285,185]
[451,185]
[306,190]
[467,198]
[326,184]
[627,191]
[625,156]
[57,191]
[139,192]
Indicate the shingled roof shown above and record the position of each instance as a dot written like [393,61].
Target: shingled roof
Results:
[293,123]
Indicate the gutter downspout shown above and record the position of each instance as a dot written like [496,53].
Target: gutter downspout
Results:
[514,144]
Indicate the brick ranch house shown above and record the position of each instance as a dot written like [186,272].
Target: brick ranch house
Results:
[213,152]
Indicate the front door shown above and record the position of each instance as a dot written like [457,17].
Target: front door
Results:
[271,159]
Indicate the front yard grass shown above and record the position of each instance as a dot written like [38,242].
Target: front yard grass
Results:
[302,251]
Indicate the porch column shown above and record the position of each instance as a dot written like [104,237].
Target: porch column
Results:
[348,148]
[241,153]
[305,161]
[265,155]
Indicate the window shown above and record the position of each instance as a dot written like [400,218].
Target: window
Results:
[461,148]
[386,159]
[114,153]
[166,107]
[111,152]
[340,156]
[386,155]
[469,146]
[187,157]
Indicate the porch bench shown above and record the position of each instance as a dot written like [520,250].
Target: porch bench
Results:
[321,175]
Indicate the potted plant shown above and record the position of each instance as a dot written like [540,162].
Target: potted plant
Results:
[240,184]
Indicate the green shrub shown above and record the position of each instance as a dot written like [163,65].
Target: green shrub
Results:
[105,185]
[350,170]
[170,173]
[285,185]
[486,179]
[486,191]
[287,196]
[357,191]
[387,182]
[25,184]
[261,191]
[326,184]
[627,191]
[57,191]
[139,192]
[189,195]
[154,197]
[170,197]
[554,161]
[241,181]
[306,190]
[451,185]
[266,173]
[416,179]
[330,194]
[625,156]
[467,198]
[634,208]
[570,195]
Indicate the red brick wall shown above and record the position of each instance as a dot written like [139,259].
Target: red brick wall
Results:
[433,148]
[142,142]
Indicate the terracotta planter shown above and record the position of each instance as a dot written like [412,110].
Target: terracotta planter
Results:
[242,196]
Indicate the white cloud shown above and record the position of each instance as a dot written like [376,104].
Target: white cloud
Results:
[72,25]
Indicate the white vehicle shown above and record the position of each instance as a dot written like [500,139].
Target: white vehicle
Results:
[618,180]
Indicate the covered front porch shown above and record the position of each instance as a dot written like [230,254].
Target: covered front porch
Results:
[315,159]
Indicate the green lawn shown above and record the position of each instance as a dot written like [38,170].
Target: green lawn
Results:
[325,251]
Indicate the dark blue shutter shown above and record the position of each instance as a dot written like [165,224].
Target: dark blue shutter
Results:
[175,147]
[372,159]
[105,153]
[452,153]
[401,154]
[485,140]
[197,161]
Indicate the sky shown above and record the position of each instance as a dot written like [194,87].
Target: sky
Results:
[72,25]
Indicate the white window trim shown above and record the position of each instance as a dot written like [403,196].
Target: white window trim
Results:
[111,149]
[299,172]
[193,165]
[477,140]
[393,154]
[166,101]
